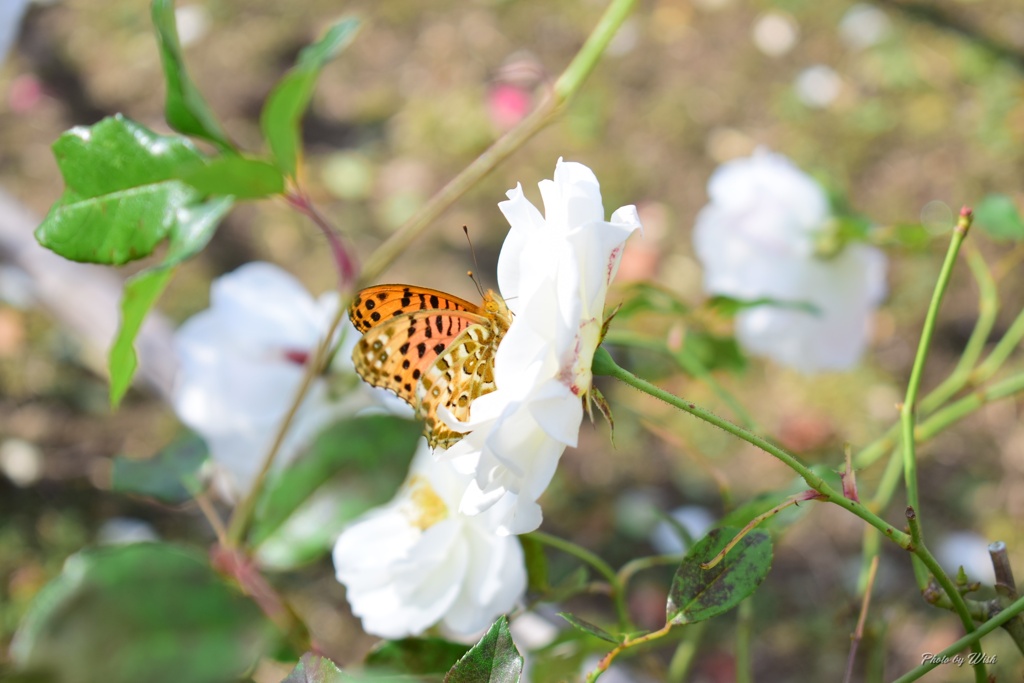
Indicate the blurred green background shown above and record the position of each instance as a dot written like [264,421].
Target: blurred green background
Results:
[905,111]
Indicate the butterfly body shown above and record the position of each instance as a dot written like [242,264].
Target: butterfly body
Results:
[432,349]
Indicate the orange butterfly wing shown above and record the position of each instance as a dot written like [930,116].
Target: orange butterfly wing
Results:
[430,348]
[375,304]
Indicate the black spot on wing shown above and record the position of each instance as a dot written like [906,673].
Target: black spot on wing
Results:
[438,348]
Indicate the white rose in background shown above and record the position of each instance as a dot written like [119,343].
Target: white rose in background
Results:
[417,561]
[241,362]
[11,12]
[553,271]
[756,240]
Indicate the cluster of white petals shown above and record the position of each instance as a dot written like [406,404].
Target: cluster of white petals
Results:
[418,561]
[757,239]
[240,363]
[553,271]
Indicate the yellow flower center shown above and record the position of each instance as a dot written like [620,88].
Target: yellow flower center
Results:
[427,507]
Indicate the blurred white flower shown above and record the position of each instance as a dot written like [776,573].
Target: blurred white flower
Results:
[125,530]
[241,362]
[968,550]
[553,271]
[863,26]
[10,21]
[193,22]
[696,520]
[756,240]
[775,33]
[818,86]
[417,561]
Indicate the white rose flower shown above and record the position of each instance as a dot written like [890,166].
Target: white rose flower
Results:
[241,362]
[417,561]
[553,271]
[756,240]
[11,12]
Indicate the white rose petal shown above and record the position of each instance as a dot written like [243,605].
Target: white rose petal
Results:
[756,240]
[417,561]
[241,362]
[553,271]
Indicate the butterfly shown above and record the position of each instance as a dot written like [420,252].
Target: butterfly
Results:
[430,348]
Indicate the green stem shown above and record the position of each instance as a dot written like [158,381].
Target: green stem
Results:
[603,665]
[907,411]
[938,422]
[604,365]
[565,88]
[602,567]
[956,411]
[567,85]
[988,307]
[1003,348]
[956,599]
[635,566]
[968,640]
[242,515]
[744,631]
[965,372]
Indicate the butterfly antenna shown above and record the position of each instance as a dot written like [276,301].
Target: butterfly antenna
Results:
[465,229]
[476,282]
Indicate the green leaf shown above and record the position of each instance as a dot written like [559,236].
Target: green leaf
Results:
[143,612]
[287,102]
[999,217]
[572,585]
[729,307]
[193,228]
[698,594]
[536,564]
[415,656]
[170,476]
[645,297]
[186,110]
[711,352]
[238,176]
[316,669]
[587,627]
[122,196]
[364,441]
[494,659]
[912,236]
